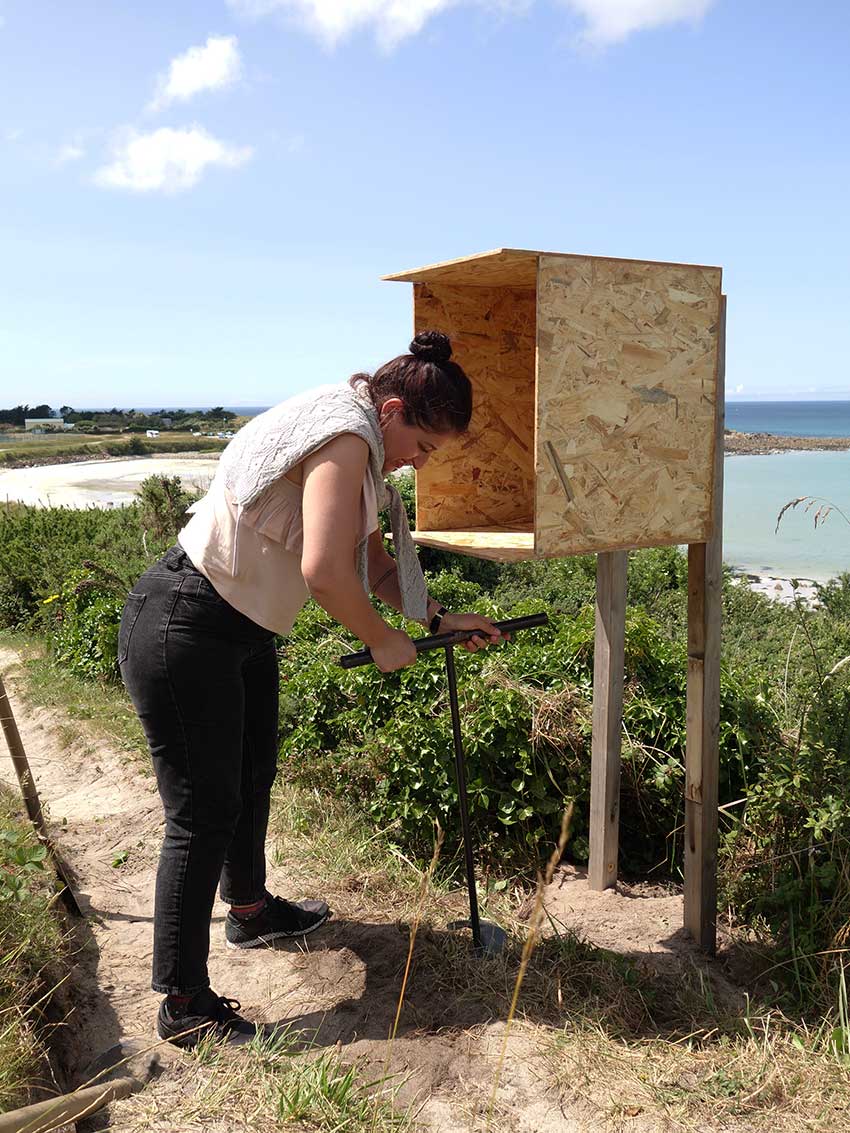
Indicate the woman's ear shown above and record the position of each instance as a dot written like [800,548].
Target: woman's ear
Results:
[390,408]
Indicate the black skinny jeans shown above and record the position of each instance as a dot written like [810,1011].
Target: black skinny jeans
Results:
[204,682]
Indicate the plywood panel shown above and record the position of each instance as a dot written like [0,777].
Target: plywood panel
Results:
[500,544]
[626,388]
[485,479]
[503,267]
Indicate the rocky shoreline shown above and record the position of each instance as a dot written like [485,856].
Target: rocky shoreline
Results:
[768,444]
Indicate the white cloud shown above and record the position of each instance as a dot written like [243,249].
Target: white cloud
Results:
[216,64]
[70,152]
[610,21]
[739,389]
[605,21]
[167,160]
[333,20]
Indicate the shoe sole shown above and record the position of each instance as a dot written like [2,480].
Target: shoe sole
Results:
[188,1040]
[271,937]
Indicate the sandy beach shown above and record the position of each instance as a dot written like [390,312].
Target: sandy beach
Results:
[781,590]
[100,483]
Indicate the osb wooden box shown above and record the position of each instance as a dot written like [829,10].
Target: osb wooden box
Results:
[595,385]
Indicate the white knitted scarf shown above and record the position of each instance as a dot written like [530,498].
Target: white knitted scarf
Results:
[275,441]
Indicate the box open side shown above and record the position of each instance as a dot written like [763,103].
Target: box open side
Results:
[477,496]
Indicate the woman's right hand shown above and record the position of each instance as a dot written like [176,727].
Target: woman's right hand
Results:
[394,651]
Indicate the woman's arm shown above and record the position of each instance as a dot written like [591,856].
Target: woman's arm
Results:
[332,485]
[383,579]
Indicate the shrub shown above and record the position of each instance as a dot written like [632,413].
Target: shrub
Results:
[163,503]
[526,710]
[83,622]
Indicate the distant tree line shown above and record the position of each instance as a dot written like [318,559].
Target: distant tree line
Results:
[114,420]
[17,415]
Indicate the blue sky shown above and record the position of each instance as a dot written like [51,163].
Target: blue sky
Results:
[198,198]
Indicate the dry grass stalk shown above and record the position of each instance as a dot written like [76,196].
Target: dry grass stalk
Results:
[824,507]
[424,888]
[543,879]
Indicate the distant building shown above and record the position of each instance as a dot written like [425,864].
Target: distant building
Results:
[45,424]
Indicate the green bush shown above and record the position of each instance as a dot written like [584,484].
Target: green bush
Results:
[787,857]
[526,710]
[163,505]
[83,622]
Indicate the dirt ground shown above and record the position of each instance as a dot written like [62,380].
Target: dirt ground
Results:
[340,988]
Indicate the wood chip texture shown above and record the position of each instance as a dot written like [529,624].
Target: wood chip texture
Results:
[594,404]
[626,382]
[487,478]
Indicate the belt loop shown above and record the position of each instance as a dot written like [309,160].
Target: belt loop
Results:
[175,557]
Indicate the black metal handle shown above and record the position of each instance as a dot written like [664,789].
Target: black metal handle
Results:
[445,640]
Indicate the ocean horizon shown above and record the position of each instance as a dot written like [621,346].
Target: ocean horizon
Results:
[784,418]
[790,418]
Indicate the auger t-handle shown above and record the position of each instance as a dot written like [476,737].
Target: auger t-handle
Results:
[446,640]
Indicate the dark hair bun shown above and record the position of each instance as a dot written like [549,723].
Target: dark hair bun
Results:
[431,346]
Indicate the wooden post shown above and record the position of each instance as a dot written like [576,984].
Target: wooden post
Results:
[702,767]
[608,667]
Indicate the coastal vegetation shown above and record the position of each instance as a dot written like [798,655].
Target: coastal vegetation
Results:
[31,951]
[366,769]
[118,420]
[384,740]
[58,448]
[95,435]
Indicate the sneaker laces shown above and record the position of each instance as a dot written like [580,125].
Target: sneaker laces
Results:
[227,1009]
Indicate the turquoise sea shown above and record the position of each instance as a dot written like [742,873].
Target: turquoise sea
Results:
[758,487]
[756,490]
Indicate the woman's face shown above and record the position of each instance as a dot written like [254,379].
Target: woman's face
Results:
[406,444]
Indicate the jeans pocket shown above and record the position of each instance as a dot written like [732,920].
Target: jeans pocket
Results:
[132,609]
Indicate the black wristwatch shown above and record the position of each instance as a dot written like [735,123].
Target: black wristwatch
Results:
[434,625]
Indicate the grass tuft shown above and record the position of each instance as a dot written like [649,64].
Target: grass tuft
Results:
[31,946]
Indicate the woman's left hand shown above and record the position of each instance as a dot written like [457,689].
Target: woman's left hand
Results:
[489,635]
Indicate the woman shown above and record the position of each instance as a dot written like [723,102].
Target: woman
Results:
[292,513]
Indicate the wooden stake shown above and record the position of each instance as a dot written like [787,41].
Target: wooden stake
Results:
[608,670]
[702,763]
[30,795]
[21,763]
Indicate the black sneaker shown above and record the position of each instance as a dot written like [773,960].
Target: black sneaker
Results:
[205,1013]
[277,921]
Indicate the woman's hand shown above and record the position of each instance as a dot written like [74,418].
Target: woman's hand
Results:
[489,635]
[394,651]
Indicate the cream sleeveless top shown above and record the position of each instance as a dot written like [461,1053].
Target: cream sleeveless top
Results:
[252,554]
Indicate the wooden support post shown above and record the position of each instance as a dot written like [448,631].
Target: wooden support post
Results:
[702,770]
[608,668]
